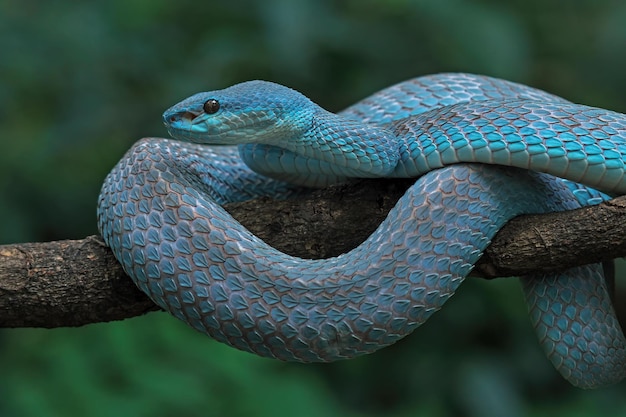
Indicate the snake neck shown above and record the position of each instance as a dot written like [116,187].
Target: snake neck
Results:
[367,149]
[329,150]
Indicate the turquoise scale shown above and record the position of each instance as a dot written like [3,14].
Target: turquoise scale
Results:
[482,151]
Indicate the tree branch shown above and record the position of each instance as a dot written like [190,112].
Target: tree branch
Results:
[76,282]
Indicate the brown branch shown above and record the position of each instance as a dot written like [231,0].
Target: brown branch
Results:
[76,282]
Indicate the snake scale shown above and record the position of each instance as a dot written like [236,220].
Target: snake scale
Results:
[482,150]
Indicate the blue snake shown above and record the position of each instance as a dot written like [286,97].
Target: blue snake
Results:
[482,150]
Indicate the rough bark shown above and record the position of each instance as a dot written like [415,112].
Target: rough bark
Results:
[76,282]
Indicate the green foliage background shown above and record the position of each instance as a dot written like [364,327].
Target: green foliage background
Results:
[81,81]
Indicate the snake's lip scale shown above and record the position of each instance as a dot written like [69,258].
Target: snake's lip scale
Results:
[159,210]
[180,125]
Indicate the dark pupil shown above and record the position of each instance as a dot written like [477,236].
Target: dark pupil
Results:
[211,106]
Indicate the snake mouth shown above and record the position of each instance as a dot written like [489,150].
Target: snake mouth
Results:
[182,117]
[179,124]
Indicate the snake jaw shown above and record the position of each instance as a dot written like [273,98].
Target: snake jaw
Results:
[178,125]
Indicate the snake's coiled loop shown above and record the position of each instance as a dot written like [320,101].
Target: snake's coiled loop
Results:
[483,151]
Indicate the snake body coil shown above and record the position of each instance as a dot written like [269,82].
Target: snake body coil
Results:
[483,151]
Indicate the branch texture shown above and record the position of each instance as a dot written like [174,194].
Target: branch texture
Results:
[76,282]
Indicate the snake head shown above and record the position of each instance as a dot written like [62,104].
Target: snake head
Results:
[250,112]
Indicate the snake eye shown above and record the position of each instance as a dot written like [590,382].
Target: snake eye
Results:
[211,106]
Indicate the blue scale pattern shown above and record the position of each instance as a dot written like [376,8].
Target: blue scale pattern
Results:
[484,150]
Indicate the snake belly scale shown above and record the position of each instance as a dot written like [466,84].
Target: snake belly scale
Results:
[482,150]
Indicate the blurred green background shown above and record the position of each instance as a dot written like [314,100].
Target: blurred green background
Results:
[81,81]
